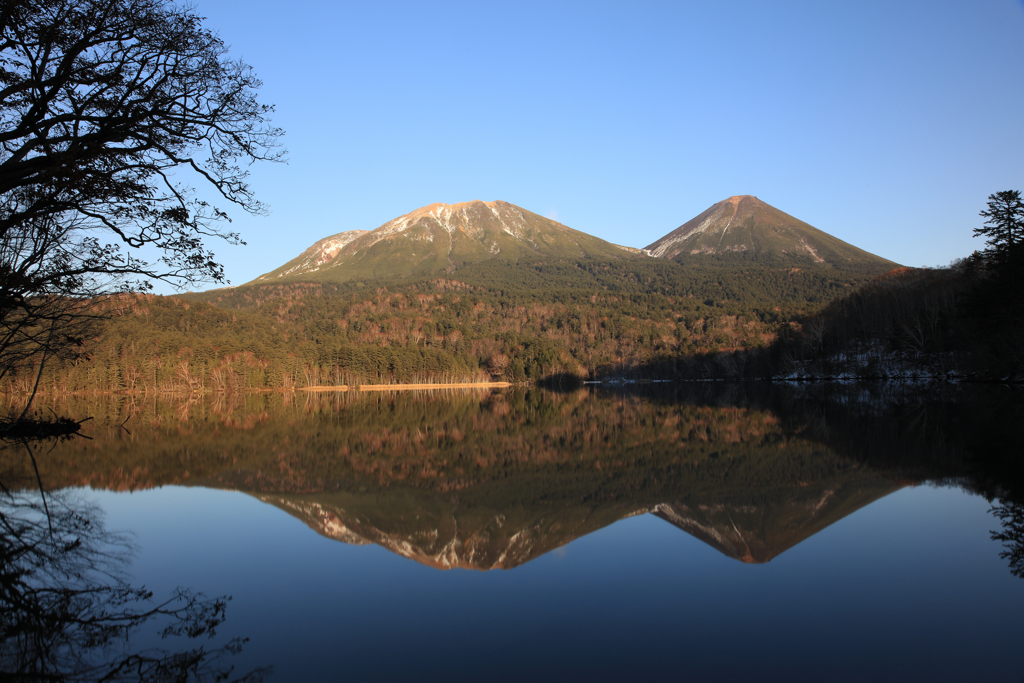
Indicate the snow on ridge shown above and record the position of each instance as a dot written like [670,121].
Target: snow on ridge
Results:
[330,524]
[671,240]
[443,216]
[511,546]
[454,218]
[511,230]
[395,225]
[463,217]
[666,244]
[321,252]
[815,509]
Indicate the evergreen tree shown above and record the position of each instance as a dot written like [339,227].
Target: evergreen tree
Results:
[1004,229]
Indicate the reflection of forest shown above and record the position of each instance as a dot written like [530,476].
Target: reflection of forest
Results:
[496,478]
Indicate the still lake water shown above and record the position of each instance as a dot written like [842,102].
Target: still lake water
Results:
[693,533]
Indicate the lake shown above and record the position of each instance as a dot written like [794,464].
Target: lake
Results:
[698,531]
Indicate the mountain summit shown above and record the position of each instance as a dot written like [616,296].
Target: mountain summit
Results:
[745,229]
[441,237]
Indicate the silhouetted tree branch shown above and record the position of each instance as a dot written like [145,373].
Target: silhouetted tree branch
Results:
[108,110]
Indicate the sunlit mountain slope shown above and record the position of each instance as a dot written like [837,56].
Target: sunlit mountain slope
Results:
[439,238]
[745,229]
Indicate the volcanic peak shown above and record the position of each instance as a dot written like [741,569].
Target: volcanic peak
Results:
[439,238]
[462,216]
[744,227]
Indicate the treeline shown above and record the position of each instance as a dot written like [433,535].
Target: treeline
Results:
[155,344]
[499,321]
[964,321]
[740,288]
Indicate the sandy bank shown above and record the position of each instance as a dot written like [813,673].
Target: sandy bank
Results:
[410,387]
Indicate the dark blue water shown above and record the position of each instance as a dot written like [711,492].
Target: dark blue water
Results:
[904,584]
[909,588]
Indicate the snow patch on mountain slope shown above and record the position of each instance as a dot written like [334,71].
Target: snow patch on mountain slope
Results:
[321,253]
[671,241]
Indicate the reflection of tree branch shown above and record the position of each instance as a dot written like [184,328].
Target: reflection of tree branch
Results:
[67,610]
[39,481]
[1011,514]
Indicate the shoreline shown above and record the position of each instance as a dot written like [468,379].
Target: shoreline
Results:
[408,387]
[361,388]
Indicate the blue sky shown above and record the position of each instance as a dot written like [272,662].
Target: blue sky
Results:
[886,124]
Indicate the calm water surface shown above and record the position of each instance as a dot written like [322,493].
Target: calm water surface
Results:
[750,534]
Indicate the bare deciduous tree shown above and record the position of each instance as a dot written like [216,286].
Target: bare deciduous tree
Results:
[110,111]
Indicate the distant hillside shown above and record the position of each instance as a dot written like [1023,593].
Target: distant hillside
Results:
[744,229]
[458,292]
[438,239]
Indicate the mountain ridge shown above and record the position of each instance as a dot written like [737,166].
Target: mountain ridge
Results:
[316,255]
[752,527]
[439,238]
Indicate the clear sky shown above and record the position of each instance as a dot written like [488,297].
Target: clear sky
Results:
[886,124]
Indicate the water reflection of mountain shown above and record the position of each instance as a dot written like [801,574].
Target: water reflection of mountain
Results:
[448,533]
[495,479]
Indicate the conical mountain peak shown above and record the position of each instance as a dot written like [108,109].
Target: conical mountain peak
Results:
[743,228]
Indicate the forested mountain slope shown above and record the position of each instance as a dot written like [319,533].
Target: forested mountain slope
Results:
[447,293]
[587,318]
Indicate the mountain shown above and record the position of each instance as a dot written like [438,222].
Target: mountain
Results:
[501,237]
[744,229]
[763,524]
[440,238]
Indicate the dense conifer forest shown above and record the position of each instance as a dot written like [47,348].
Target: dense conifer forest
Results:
[586,319]
[963,321]
[966,320]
